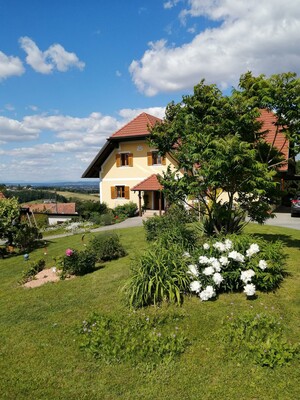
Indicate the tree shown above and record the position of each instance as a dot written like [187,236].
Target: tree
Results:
[220,149]
[9,217]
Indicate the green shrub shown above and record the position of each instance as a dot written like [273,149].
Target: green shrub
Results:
[259,338]
[131,339]
[78,263]
[127,210]
[106,219]
[171,228]
[106,247]
[34,268]
[24,236]
[41,220]
[158,275]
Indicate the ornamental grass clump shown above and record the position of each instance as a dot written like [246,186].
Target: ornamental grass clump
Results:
[236,263]
[158,275]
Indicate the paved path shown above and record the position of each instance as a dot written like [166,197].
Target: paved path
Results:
[128,223]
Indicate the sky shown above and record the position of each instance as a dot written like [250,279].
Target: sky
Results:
[72,72]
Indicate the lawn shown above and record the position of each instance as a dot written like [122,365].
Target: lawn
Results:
[40,356]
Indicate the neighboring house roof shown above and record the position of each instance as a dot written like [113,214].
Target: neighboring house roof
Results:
[278,140]
[150,183]
[2,196]
[53,208]
[138,128]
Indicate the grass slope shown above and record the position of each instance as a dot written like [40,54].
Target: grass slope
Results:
[40,356]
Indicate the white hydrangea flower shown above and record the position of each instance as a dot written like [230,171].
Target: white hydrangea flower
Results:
[224,260]
[207,293]
[193,270]
[246,276]
[218,278]
[206,246]
[208,271]
[249,289]
[236,256]
[219,246]
[203,260]
[228,244]
[195,286]
[253,249]
[263,264]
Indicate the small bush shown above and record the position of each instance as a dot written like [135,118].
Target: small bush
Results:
[158,275]
[127,210]
[171,228]
[24,236]
[106,247]
[131,339]
[106,219]
[260,338]
[78,263]
[34,268]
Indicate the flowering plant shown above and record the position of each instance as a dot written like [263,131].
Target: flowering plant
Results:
[235,263]
[69,252]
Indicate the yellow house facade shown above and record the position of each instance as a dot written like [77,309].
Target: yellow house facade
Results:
[127,167]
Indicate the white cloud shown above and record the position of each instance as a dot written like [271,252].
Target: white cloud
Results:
[261,36]
[12,130]
[10,66]
[56,57]
[68,145]
[170,4]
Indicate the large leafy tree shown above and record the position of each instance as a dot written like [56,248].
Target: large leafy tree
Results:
[220,149]
[9,217]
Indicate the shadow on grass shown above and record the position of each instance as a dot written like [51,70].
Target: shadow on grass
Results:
[287,240]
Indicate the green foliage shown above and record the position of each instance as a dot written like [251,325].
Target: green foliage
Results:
[219,145]
[9,216]
[171,228]
[264,280]
[127,210]
[259,338]
[41,220]
[106,247]
[88,209]
[24,236]
[158,275]
[79,263]
[135,340]
[34,268]
[223,220]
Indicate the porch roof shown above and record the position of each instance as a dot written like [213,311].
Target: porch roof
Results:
[150,183]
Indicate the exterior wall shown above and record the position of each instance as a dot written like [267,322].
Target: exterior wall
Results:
[111,175]
[54,220]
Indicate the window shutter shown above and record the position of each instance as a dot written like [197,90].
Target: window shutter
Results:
[127,194]
[113,192]
[130,159]
[163,161]
[149,158]
[118,160]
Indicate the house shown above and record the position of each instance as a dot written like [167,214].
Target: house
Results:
[2,196]
[128,167]
[57,212]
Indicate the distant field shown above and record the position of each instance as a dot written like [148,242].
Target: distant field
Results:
[80,196]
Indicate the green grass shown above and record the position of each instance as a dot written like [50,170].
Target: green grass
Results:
[39,351]
[79,196]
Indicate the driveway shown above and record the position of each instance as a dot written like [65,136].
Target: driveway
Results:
[283,218]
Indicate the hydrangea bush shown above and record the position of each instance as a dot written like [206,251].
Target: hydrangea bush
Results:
[236,263]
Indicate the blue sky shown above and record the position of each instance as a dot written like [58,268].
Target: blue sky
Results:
[72,71]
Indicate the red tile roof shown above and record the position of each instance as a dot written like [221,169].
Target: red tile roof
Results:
[53,208]
[150,183]
[139,126]
[2,196]
[281,143]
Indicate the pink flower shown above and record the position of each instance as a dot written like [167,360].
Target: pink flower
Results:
[69,252]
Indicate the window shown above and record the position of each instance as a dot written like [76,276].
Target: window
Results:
[154,158]
[120,192]
[124,160]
